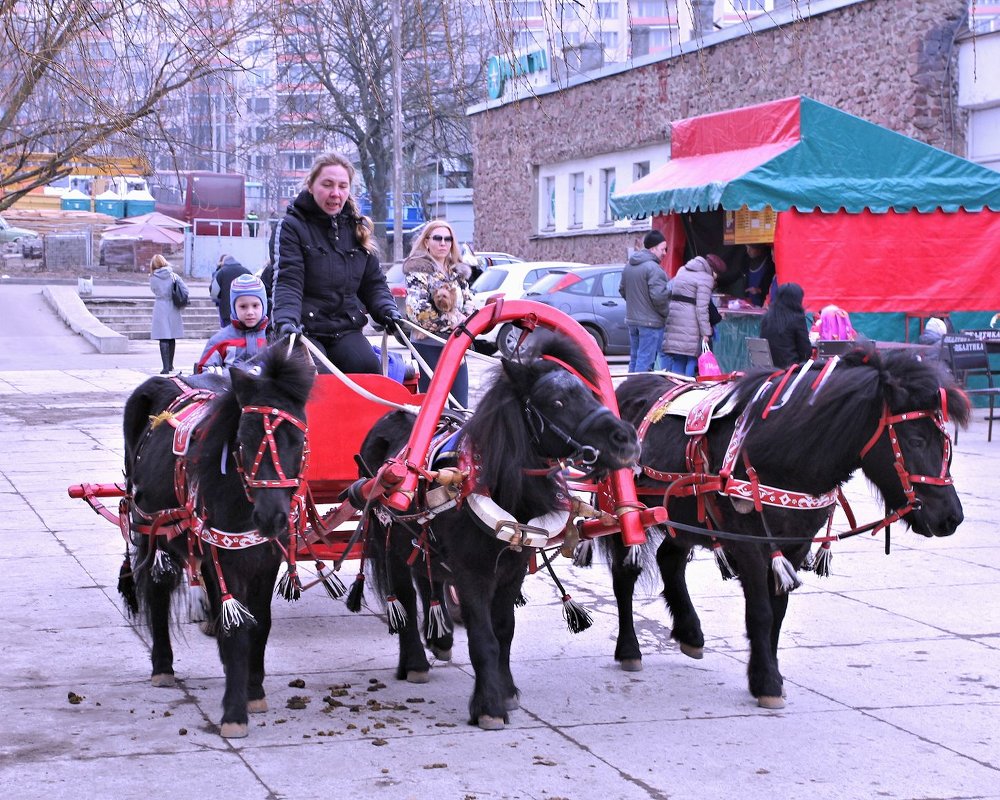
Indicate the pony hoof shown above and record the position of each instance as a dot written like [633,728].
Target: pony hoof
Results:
[234,730]
[631,664]
[441,655]
[163,679]
[257,706]
[692,652]
[488,723]
[770,702]
[511,704]
[417,677]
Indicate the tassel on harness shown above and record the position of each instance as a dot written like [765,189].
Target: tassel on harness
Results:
[356,594]
[395,613]
[785,577]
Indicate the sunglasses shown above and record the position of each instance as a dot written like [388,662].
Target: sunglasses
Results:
[436,238]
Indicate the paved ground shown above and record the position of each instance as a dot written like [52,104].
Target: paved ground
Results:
[891,665]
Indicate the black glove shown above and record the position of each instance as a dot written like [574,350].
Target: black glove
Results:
[388,317]
[288,328]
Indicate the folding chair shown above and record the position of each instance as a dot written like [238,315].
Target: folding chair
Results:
[759,352]
[967,358]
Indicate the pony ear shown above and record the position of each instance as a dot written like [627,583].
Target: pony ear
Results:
[243,384]
[516,372]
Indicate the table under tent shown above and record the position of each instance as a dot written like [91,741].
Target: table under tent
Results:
[886,227]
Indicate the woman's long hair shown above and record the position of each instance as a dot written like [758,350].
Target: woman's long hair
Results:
[363,225]
[419,246]
[158,261]
[786,309]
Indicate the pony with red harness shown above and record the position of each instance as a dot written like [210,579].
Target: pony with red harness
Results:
[215,494]
[752,469]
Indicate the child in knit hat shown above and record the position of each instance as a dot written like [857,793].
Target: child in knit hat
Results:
[244,337]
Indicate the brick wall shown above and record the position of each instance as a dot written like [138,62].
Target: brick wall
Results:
[890,62]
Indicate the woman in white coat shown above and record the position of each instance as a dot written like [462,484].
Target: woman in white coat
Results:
[168,326]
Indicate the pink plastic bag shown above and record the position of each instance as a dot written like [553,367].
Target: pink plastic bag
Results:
[707,363]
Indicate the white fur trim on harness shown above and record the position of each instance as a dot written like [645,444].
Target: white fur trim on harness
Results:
[534,533]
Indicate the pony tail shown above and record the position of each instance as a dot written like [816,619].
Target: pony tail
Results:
[363,227]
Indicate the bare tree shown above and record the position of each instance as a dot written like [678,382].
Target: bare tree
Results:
[342,57]
[82,79]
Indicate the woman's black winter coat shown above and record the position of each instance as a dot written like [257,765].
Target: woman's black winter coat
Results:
[323,279]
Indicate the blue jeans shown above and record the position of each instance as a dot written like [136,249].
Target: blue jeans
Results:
[644,344]
[682,365]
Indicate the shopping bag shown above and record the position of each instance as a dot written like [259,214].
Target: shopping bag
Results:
[707,364]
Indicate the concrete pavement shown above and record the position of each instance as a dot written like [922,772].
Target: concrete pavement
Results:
[891,665]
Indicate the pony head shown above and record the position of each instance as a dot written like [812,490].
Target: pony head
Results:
[261,422]
[921,398]
[543,407]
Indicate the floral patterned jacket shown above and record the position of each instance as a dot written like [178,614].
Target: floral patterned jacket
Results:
[434,301]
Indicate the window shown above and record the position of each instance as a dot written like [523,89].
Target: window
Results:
[299,160]
[525,40]
[576,200]
[526,9]
[609,40]
[662,38]
[547,199]
[640,169]
[607,9]
[650,8]
[258,105]
[607,189]
[584,286]
[610,281]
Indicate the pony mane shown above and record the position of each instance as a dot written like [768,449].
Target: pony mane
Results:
[498,429]
[830,422]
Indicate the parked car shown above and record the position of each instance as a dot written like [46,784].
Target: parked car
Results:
[10,233]
[510,281]
[590,296]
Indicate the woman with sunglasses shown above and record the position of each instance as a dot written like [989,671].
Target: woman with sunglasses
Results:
[326,269]
[437,297]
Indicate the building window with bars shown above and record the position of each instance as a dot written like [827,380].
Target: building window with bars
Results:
[607,189]
[547,201]
[576,200]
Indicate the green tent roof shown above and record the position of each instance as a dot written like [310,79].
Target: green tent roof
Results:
[799,153]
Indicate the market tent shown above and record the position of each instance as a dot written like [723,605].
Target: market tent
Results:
[799,153]
[868,219]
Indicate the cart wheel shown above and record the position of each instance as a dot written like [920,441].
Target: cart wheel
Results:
[452,602]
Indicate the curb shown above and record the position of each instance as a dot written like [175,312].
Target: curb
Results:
[71,310]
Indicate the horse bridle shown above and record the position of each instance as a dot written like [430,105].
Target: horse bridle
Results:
[886,424]
[272,418]
[538,423]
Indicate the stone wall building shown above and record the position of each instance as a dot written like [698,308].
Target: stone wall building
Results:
[546,160]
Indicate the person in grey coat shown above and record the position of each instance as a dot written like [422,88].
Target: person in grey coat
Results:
[168,326]
[688,326]
[647,298]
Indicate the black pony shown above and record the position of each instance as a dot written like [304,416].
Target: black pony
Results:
[221,510]
[539,415]
[804,432]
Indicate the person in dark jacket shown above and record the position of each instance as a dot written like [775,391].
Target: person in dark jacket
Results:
[225,273]
[647,299]
[785,328]
[326,269]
